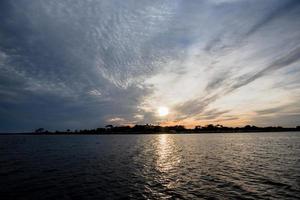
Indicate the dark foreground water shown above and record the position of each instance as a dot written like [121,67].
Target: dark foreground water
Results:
[206,166]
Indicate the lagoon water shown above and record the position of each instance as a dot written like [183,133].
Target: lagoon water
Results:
[161,166]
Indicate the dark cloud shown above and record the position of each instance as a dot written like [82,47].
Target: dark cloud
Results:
[217,81]
[284,61]
[288,120]
[270,110]
[211,114]
[271,12]
[194,107]
[229,118]
[55,55]
[281,10]
[287,109]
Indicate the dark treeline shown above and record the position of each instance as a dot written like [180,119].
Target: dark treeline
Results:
[148,128]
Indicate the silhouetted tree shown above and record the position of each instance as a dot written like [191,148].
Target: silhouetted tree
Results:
[109,126]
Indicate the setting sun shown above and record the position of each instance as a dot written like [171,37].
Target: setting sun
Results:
[163,111]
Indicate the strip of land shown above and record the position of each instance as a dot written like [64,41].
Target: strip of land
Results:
[152,129]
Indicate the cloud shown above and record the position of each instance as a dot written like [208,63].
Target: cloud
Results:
[270,110]
[284,61]
[78,64]
[283,9]
[212,114]
[197,106]
[289,120]
[79,53]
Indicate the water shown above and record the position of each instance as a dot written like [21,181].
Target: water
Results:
[206,166]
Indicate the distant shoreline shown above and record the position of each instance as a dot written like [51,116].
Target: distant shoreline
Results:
[155,129]
[139,133]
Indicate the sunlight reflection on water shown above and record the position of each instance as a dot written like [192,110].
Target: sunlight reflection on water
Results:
[167,153]
[162,166]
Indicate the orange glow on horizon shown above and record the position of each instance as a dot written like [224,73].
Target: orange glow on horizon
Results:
[191,123]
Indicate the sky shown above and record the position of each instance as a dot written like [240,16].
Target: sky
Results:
[84,64]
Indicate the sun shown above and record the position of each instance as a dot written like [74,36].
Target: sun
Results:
[163,111]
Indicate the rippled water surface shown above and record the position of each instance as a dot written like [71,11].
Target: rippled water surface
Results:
[206,166]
